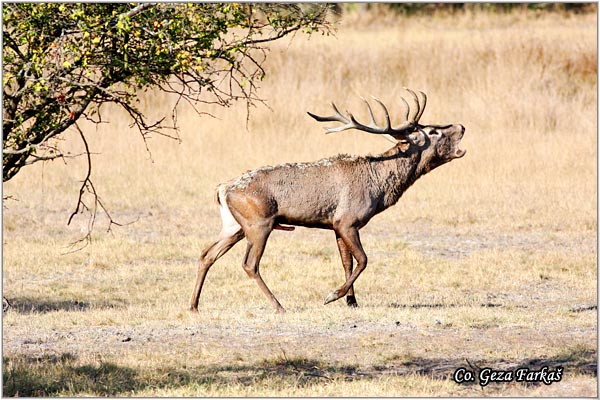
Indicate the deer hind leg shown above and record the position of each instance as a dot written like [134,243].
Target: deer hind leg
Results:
[211,254]
[257,237]
[352,241]
[231,233]
[346,257]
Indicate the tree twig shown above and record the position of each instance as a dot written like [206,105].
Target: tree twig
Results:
[88,174]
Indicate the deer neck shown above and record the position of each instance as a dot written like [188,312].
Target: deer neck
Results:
[393,172]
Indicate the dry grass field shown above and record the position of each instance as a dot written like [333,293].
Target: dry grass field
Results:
[489,260]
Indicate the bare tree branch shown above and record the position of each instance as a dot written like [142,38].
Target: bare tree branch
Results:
[87,176]
[138,9]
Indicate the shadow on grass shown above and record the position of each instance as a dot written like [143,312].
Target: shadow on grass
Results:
[64,375]
[60,375]
[440,305]
[575,360]
[26,305]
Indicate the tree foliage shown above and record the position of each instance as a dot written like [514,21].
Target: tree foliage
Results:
[62,61]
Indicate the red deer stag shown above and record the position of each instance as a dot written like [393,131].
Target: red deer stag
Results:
[340,193]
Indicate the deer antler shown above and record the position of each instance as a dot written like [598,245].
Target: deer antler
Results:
[404,130]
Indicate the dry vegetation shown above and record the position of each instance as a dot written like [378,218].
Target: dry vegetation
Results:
[490,259]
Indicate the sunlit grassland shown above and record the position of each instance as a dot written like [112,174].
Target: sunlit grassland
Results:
[485,259]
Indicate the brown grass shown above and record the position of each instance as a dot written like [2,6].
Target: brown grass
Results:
[489,258]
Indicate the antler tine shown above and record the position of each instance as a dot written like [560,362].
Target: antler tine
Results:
[407,108]
[418,117]
[373,123]
[416,99]
[388,124]
[337,117]
[338,114]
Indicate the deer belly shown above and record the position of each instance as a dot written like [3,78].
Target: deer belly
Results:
[312,220]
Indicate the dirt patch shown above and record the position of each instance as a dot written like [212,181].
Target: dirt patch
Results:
[435,241]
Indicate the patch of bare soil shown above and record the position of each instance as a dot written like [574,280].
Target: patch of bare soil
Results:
[435,241]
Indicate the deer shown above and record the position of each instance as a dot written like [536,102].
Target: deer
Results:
[340,193]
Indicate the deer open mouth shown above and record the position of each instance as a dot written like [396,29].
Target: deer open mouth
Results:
[458,152]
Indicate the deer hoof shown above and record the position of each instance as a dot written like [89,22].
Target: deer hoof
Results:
[351,301]
[333,296]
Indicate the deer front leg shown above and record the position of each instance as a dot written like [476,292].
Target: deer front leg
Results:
[346,257]
[352,241]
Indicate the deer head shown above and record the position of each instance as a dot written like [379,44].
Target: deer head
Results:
[437,144]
